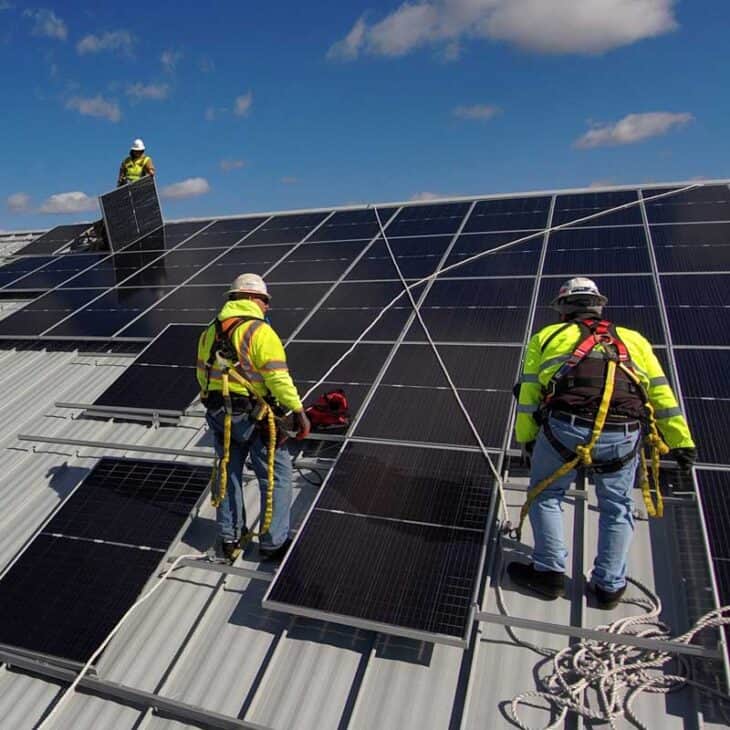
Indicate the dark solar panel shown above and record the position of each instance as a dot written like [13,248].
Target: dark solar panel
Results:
[574,206]
[709,422]
[60,269]
[414,577]
[177,345]
[448,488]
[131,212]
[83,571]
[708,203]
[433,416]
[21,267]
[714,489]
[53,240]
[430,220]
[417,257]
[351,224]
[509,214]
[597,251]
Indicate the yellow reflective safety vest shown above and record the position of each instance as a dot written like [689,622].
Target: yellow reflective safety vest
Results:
[262,360]
[134,169]
[541,364]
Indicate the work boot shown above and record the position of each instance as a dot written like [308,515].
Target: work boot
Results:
[607,599]
[231,550]
[275,553]
[547,583]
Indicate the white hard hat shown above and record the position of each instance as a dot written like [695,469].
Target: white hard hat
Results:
[137,145]
[249,284]
[579,286]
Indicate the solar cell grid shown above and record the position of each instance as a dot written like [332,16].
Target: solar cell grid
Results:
[423,220]
[63,597]
[130,212]
[53,240]
[707,203]
[351,224]
[152,388]
[415,260]
[20,267]
[448,488]
[714,489]
[176,345]
[574,206]
[347,566]
[509,214]
[64,594]
[62,269]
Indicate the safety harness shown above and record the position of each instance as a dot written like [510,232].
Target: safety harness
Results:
[617,360]
[224,357]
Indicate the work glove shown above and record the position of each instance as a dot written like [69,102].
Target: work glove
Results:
[526,454]
[304,426]
[685,458]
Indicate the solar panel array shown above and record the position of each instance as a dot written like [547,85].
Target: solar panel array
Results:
[86,567]
[663,265]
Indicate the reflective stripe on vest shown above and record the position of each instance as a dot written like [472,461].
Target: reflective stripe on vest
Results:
[134,169]
[243,366]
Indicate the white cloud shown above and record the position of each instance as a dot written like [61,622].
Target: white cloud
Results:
[228,164]
[186,188]
[95,106]
[558,26]
[75,202]
[632,128]
[116,40]
[425,195]
[155,92]
[349,47]
[242,104]
[47,24]
[18,202]
[480,112]
[170,59]
[213,112]
[289,180]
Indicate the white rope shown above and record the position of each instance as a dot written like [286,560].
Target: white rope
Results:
[601,681]
[46,723]
[445,370]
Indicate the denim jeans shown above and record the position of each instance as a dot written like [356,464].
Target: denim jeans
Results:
[231,513]
[616,521]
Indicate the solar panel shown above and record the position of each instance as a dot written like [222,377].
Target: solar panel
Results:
[54,240]
[87,566]
[18,268]
[161,378]
[130,212]
[346,567]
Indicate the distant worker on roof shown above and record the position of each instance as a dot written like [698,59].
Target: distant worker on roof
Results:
[242,343]
[568,417]
[136,166]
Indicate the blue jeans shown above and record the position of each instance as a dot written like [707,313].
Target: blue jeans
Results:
[616,521]
[231,513]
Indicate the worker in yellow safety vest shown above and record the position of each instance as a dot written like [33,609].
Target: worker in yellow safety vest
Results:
[136,166]
[589,394]
[244,380]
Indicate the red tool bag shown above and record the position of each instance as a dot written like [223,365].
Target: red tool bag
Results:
[329,411]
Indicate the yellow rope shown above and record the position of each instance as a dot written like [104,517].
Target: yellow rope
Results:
[584,456]
[657,448]
[220,471]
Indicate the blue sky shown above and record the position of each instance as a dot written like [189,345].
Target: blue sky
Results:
[266,106]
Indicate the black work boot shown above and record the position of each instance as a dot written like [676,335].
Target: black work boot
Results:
[547,583]
[275,553]
[231,550]
[607,599]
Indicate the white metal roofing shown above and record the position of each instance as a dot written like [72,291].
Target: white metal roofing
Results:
[205,640]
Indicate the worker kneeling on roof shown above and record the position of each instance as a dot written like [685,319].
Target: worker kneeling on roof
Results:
[240,344]
[567,416]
